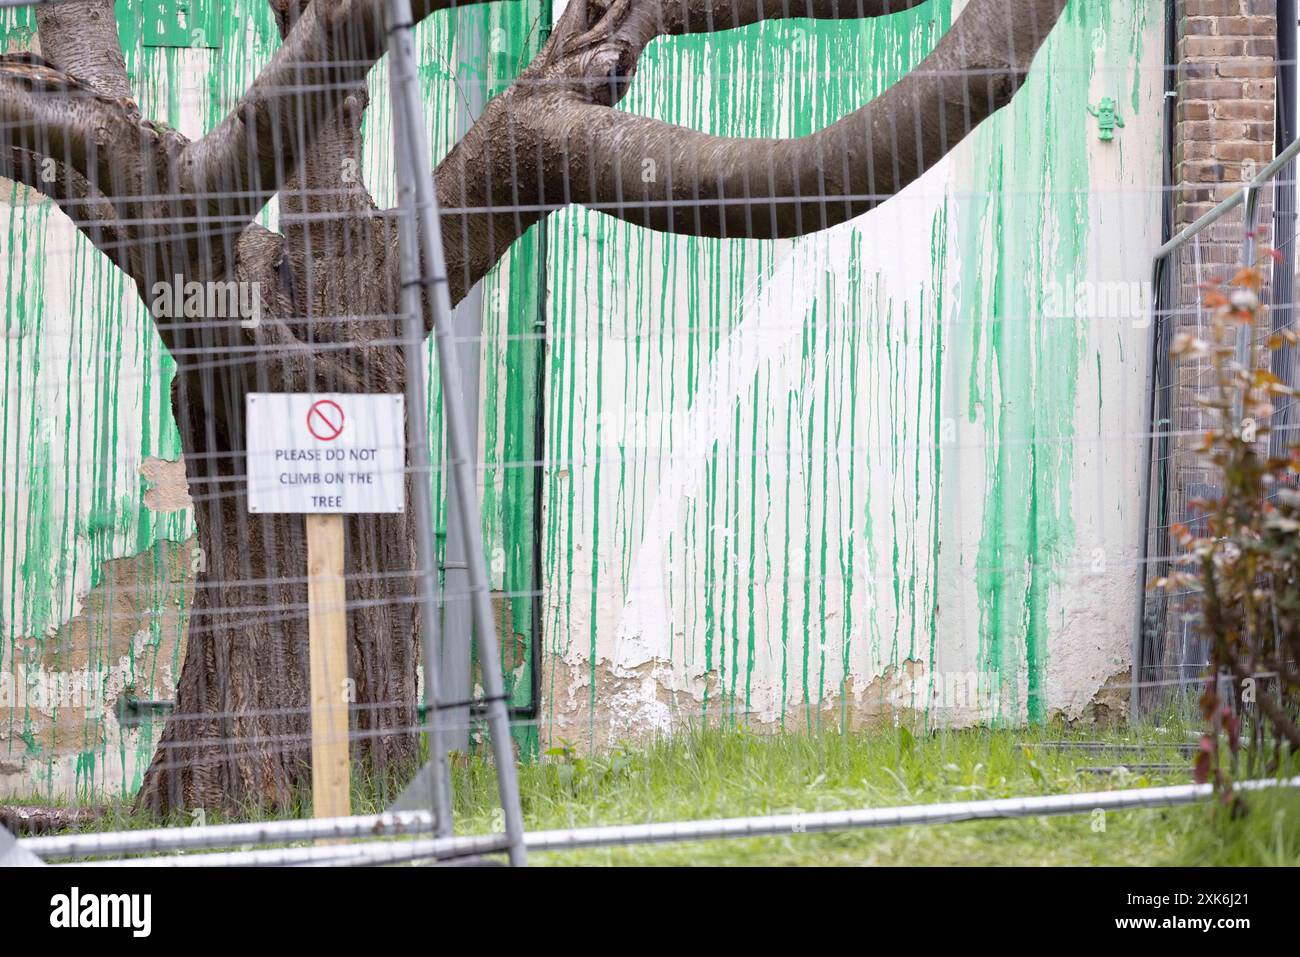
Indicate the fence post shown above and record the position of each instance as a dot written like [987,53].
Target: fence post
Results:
[414,141]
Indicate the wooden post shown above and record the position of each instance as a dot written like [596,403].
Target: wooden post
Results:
[328,629]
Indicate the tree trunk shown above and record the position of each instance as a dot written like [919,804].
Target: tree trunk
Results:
[239,736]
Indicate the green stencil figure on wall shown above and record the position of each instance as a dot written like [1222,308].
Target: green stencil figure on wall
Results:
[1107,113]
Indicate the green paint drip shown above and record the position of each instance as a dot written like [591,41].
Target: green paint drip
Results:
[1024,370]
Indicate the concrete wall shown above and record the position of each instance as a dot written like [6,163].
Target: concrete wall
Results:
[891,467]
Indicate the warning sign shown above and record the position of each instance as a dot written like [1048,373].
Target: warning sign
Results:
[326,453]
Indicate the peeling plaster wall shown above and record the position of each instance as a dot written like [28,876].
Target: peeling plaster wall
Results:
[798,484]
[808,482]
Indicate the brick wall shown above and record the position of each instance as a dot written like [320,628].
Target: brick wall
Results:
[1226,55]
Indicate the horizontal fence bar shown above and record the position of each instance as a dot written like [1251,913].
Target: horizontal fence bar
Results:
[371,853]
[1107,746]
[946,813]
[227,835]
[386,852]
[1186,234]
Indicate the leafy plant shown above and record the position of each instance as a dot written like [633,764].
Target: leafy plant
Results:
[1241,569]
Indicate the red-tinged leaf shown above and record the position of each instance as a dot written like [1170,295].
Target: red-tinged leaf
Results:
[1201,770]
[1209,703]
[1248,277]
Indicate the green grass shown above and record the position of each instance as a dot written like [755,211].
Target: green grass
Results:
[712,774]
[728,773]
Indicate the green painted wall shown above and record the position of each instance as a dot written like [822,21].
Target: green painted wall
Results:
[801,483]
[821,481]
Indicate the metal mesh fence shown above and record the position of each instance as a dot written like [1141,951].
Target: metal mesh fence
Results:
[734,368]
[1168,644]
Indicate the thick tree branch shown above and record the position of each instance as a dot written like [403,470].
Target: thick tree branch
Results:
[81,39]
[632,24]
[553,139]
[202,195]
[501,178]
[93,153]
[89,211]
[709,16]
[121,177]
[63,115]
[326,55]
[674,179]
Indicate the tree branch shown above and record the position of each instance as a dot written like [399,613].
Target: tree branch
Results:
[81,39]
[636,22]
[91,152]
[44,141]
[89,211]
[709,16]
[678,180]
[329,50]
[553,139]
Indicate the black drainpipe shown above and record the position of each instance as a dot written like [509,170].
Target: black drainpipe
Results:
[1282,290]
[1149,642]
[530,711]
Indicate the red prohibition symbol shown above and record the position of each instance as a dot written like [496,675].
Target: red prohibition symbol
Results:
[325,420]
